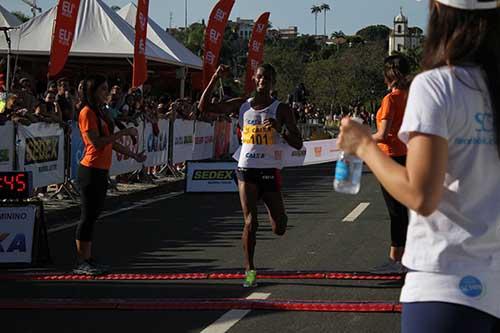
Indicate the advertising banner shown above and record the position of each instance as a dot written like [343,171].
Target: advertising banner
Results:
[16,234]
[214,35]
[203,147]
[183,141]
[256,50]
[63,35]
[210,177]
[313,152]
[140,68]
[222,138]
[77,150]
[122,164]
[156,143]
[7,146]
[41,151]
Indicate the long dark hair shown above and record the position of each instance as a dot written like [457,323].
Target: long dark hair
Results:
[457,37]
[396,71]
[90,86]
[89,98]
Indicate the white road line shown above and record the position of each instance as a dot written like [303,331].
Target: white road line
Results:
[356,212]
[229,319]
[141,203]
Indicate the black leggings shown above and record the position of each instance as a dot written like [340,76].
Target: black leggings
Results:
[397,212]
[93,187]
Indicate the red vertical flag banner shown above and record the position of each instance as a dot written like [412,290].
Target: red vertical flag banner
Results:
[214,35]
[63,34]
[256,50]
[140,71]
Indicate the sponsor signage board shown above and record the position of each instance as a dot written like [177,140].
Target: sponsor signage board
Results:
[211,177]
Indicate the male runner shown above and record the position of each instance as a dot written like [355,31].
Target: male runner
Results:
[265,124]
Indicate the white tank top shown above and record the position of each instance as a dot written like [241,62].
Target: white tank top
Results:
[261,147]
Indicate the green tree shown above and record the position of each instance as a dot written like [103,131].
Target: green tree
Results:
[315,10]
[414,57]
[195,37]
[354,76]
[337,34]
[321,80]
[374,33]
[21,16]
[192,37]
[325,8]
[288,65]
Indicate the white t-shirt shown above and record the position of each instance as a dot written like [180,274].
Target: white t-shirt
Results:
[458,245]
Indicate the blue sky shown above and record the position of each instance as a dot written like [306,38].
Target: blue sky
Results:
[347,15]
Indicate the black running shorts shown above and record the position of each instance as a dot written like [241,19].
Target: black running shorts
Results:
[266,180]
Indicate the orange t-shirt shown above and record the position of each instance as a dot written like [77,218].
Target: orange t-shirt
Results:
[94,158]
[393,108]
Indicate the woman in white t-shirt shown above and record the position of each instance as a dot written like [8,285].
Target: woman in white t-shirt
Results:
[451,182]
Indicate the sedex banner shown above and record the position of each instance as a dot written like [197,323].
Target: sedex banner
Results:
[41,150]
[211,177]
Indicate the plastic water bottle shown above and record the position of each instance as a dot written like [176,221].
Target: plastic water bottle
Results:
[348,172]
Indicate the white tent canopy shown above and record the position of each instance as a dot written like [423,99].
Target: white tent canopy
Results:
[162,38]
[8,20]
[100,32]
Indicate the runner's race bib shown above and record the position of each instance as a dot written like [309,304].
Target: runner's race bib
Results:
[258,135]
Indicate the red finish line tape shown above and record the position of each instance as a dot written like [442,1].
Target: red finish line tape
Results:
[198,304]
[202,276]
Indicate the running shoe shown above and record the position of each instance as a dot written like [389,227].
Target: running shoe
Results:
[87,267]
[250,279]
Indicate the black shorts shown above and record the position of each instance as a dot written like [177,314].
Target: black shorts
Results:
[266,180]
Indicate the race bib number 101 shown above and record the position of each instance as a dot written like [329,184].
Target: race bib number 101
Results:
[258,135]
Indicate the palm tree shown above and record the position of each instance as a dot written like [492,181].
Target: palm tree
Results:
[325,8]
[315,10]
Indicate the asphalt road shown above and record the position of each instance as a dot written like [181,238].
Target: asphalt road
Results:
[201,233]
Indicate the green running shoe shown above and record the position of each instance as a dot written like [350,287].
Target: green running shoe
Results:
[250,279]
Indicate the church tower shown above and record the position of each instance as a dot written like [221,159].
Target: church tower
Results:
[400,37]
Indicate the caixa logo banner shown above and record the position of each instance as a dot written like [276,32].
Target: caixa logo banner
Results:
[16,234]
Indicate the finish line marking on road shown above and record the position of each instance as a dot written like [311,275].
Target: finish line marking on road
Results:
[229,319]
[139,204]
[271,275]
[198,304]
[356,212]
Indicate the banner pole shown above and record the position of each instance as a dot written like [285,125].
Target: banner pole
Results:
[7,81]
[15,162]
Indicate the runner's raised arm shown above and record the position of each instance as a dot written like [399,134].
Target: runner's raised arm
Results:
[226,107]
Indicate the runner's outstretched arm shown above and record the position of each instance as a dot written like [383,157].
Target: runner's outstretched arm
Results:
[227,107]
[292,135]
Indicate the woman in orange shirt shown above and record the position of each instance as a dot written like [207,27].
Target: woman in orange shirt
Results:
[96,131]
[389,120]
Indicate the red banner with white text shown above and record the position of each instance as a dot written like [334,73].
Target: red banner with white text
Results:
[63,34]
[214,35]
[140,71]
[256,50]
